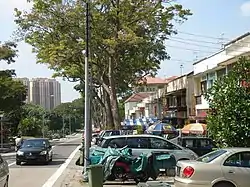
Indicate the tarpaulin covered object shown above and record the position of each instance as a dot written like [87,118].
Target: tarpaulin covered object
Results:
[112,155]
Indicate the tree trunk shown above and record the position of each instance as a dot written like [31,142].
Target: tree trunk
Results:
[108,110]
[113,96]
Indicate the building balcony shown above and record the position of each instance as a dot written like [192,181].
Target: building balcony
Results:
[177,107]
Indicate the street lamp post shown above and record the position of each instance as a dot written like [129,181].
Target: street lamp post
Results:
[87,129]
[70,125]
[43,124]
[1,118]
[63,128]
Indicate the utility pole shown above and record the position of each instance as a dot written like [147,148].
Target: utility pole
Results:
[181,68]
[1,118]
[70,125]
[221,40]
[87,129]
[43,124]
[63,127]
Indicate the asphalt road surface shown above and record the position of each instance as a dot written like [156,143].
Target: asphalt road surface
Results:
[38,175]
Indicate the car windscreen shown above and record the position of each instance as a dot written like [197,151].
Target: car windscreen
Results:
[111,133]
[211,156]
[101,143]
[33,144]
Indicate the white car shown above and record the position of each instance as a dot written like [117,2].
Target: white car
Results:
[221,168]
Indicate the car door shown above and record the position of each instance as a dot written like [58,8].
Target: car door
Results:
[4,170]
[236,168]
[158,144]
[138,145]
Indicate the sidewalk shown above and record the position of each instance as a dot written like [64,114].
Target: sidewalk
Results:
[72,177]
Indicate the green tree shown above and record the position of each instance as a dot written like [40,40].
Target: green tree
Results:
[121,105]
[69,113]
[12,93]
[33,120]
[229,99]
[128,41]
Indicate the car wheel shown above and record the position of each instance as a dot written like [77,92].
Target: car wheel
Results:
[18,163]
[50,159]
[223,184]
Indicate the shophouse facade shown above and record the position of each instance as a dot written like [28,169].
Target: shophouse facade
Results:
[210,69]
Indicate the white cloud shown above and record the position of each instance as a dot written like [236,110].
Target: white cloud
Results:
[245,9]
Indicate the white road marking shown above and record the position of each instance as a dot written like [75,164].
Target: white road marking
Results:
[51,181]
[12,164]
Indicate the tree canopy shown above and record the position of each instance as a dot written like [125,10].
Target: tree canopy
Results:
[127,41]
[12,93]
[32,120]
[229,99]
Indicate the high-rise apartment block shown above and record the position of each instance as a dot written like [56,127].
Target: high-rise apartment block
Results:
[42,91]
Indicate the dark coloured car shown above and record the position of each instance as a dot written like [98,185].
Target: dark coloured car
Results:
[34,150]
[200,145]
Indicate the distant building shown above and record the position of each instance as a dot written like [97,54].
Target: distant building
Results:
[146,102]
[151,84]
[43,91]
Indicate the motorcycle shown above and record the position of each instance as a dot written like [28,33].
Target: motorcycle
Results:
[125,169]
[120,164]
[123,166]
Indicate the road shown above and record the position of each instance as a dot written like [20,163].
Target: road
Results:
[37,175]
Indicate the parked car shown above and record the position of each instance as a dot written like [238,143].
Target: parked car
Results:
[95,136]
[200,145]
[4,173]
[34,150]
[221,168]
[144,143]
[106,133]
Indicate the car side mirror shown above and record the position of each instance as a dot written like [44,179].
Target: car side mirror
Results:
[50,146]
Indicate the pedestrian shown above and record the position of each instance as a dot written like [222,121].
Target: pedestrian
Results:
[18,141]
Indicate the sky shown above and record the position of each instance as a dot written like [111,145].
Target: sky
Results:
[213,23]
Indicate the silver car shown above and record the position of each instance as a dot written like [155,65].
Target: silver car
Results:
[144,143]
[221,168]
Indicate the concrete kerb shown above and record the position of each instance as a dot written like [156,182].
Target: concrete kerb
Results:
[72,176]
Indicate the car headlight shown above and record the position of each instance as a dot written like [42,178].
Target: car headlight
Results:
[43,153]
[20,153]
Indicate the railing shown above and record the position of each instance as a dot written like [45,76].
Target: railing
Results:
[198,100]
